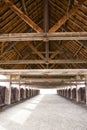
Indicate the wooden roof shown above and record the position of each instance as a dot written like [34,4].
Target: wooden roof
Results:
[41,34]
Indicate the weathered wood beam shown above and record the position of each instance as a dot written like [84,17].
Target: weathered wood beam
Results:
[42,80]
[43,62]
[46,16]
[41,72]
[67,16]
[43,36]
[24,17]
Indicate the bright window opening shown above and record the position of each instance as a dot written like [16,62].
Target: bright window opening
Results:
[48,91]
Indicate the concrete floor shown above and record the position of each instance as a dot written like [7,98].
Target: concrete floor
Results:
[44,112]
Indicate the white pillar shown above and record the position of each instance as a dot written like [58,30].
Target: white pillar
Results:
[77,95]
[67,93]
[64,91]
[8,93]
[19,90]
[71,93]
[77,88]
[28,92]
[25,93]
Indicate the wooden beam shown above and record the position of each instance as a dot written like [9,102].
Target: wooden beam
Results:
[67,16]
[42,72]
[46,26]
[42,80]
[46,15]
[43,62]
[36,51]
[43,36]
[24,17]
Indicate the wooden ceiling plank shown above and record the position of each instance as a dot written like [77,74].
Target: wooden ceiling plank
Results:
[24,17]
[66,16]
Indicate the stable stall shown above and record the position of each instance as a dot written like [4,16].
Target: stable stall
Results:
[21,94]
[2,95]
[27,93]
[82,95]
[74,94]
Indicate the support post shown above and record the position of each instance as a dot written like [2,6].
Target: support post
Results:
[64,91]
[77,88]
[8,92]
[77,95]
[25,92]
[19,90]
[71,96]
[46,27]
[71,93]
[67,93]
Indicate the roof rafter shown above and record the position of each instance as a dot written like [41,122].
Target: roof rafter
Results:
[58,51]
[36,51]
[66,16]
[24,17]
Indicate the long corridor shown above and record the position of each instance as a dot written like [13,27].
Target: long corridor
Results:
[44,112]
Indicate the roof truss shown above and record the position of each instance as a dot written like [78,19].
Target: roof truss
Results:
[66,16]
[24,17]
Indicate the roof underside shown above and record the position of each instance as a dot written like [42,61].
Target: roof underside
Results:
[45,16]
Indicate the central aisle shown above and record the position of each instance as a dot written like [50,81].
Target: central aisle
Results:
[44,112]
